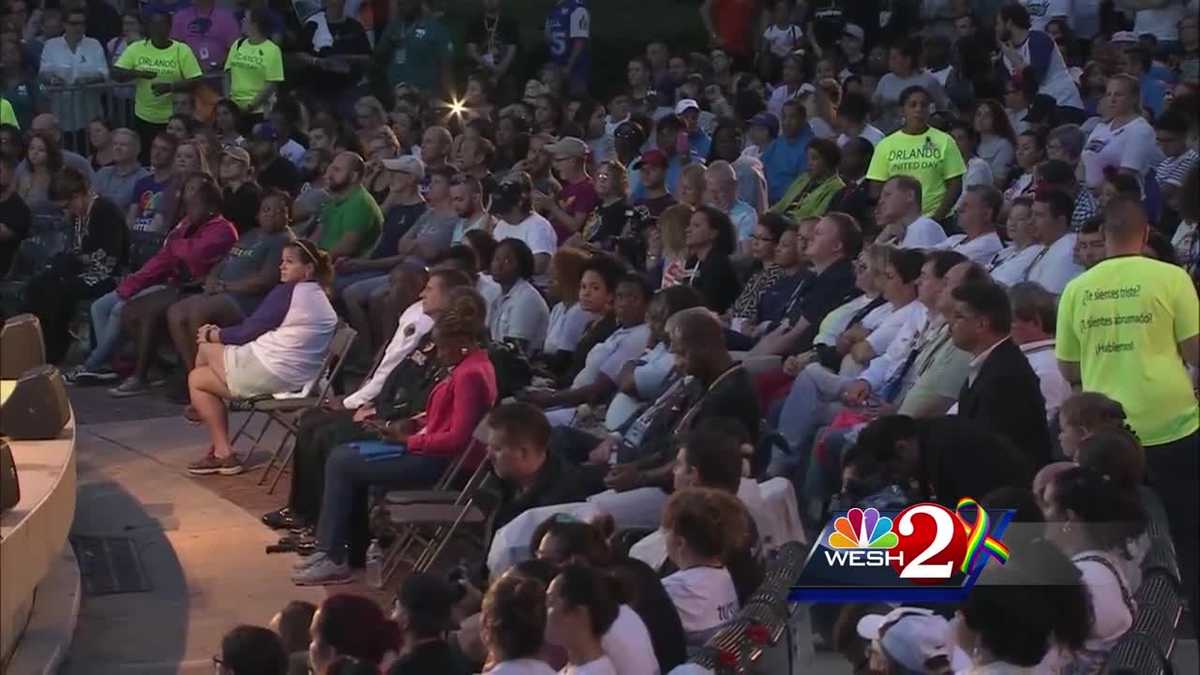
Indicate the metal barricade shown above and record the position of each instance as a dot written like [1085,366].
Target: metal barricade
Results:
[76,105]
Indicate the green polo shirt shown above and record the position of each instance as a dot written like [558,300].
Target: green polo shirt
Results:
[356,211]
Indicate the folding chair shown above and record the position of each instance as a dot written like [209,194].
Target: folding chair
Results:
[426,520]
[284,409]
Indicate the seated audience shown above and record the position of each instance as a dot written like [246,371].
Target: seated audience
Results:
[596,294]
[977,217]
[414,451]
[568,318]
[291,624]
[764,247]
[1054,265]
[710,243]
[513,626]
[1034,322]
[354,626]
[1084,414]
[251,650]
[422,609]
[277,349]
[1090,519]
[237,284]
[580,609]
[899,216]
[811,193]
[201,239]
[701,525]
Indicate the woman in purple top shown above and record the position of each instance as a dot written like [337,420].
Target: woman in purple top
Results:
[279,348]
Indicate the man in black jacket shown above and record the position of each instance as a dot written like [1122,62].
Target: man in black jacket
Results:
[1002,393]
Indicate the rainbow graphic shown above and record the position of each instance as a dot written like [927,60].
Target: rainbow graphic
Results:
[863,528]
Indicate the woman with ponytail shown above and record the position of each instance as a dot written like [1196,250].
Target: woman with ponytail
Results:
[279,348]
[350,625]
[415,451]
[1018,610]
[1094,521]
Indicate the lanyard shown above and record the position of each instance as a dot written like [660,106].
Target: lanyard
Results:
[695,408]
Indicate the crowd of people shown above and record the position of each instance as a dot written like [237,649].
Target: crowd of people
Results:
[940,250]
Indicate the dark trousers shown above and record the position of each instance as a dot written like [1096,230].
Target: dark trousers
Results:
[349,474]
[1174,472]
[52,296]
[320,431]
[146,132]
[145,319]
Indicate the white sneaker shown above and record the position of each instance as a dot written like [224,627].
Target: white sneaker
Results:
[324,572]
[307,561]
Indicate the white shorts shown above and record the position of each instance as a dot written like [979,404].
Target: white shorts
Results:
[246,376]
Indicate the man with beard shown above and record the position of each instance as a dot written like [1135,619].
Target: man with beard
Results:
[351,220]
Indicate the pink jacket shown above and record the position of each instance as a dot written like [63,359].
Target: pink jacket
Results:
[194,249]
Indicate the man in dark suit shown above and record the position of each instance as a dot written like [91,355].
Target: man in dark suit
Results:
[1002,393]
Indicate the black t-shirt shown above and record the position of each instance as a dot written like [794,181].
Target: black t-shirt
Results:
[491,36]
[15,216]
[716,280]
[828,20]
[349,38]
[280,173]
[241,206]
[432,658]
[398,220]
[656,205]
[820,294]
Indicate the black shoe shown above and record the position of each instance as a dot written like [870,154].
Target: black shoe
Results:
[177,390]
[283,519]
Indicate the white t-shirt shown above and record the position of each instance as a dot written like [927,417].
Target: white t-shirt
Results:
[488,288]
[651,376]
[924,232]
[979,249]
[1057,82]
[705,598]
[1130,146]
[1012,265]
[869,132]
[535,231]
[1111,616]
[600,666]
[566,327]
[413,325]
[1056,267]
[783,39]
[1042,11]
[521,667]
[627,643]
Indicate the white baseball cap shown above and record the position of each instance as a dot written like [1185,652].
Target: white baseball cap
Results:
[911,636]
[685,105]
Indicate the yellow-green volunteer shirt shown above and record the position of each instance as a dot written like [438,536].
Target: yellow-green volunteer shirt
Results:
[174,63]
[251,67]
[932,158]
[1122,322]
[7,115]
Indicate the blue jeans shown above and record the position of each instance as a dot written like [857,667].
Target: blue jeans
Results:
[811,404]
[106,326]
[349,468]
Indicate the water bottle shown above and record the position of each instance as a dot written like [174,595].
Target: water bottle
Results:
[374,565]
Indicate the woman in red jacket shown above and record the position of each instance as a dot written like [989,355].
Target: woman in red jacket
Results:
[200,240]
[417,450]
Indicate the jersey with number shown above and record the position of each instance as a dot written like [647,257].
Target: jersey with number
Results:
[569,20]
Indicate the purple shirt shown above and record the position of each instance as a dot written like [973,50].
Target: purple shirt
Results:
[208,33]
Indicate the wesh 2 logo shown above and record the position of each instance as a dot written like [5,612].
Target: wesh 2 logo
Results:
[925,553]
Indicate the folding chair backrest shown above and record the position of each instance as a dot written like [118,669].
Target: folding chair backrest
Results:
[335,356]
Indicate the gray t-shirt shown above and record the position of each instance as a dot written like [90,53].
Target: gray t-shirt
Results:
[433,229]
[118,187]
[249,254]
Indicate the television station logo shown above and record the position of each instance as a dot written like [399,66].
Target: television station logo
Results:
[923,553]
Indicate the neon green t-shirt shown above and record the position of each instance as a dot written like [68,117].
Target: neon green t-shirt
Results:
[175,63]
[932,158]
[7,115]
[250,68]
[1122,322]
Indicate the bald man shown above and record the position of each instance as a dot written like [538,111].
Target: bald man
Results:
[351,220]
[720,191]
[47,123]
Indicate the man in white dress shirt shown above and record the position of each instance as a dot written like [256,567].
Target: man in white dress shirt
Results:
[70,60]
[1035,315]
[977,217]
[899,215]
[1055,265]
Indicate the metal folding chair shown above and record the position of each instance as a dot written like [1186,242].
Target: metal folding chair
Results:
[425,521]
[284,410]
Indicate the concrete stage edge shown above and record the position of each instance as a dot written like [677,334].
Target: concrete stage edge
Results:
[33,536]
